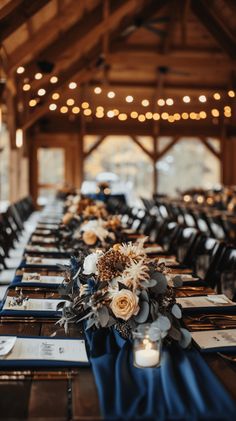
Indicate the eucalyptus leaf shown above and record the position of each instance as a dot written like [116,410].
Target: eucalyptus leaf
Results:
[150,283]
[161,284]
[185,338]
[176,311]
[177,281]
[143,312]
[163,323]
[144,295]
[90,323]
[154,333]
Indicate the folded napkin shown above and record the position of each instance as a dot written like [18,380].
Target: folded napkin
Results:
[182,389]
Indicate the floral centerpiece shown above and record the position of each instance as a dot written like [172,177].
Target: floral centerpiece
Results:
[122,289]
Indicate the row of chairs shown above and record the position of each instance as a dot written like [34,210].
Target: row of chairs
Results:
[212,259]
[14,234]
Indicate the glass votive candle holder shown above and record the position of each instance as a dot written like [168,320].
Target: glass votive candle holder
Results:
[146,346]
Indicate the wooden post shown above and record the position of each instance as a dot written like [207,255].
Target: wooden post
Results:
[154,162]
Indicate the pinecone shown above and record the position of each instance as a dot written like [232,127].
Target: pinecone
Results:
[124,330]
[111,264]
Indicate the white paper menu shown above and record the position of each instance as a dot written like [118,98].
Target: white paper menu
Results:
[33,304]
[213,300]
[44,279]
[41,239]
[44,349]
[215,338]
[46,262]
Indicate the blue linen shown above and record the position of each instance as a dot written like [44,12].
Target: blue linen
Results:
[183,389]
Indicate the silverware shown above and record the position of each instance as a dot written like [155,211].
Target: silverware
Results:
[230,358]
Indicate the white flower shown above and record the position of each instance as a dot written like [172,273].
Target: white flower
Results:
[90,263]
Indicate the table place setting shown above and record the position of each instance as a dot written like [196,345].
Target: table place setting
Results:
[21,304]
[216,301]
[41,261]
[30,351]
[45,226]
[42,279]
[40,239]
[215,340]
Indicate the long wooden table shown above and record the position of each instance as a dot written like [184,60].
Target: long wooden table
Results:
[67,394]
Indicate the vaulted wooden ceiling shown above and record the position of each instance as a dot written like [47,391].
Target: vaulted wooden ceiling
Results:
[147,49]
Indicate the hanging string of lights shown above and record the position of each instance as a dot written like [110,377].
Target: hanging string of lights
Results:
[100,111]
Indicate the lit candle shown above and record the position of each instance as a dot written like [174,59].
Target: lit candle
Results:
[147,357]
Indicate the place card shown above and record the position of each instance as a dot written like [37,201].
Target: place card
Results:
[44,279]
[32,304]
[48,226]
[184,277]
[153,249]
[40,261]
[41,239]
[41,249]
[68,350]
[169,261]
[39,231]
[214,339]
[205,301]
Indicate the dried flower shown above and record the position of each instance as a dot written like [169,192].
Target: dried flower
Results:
[89,237]
[111,264]
[135,274]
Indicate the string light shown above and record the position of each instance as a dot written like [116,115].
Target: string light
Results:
[85,105]
[141,118]
[111,94]
[215,112]
[72,85]
[54,79]
[186,99]
[156,116]
[97,90]
[129,98]
[171,119]
[177,116]
[185,116]
[116,112]
[26,87]
[19,138]
[75,110]
[20,70]
[203,114]
[100,109]
[169,101]
[192,116]
[38,76]
[231,94]
[134,114]
[122,116]
[164,116]
[52,107]
[110,114]
[55,96]
[145,103]
[217,96]
[161,102]
[64,109]
[70,101]
[87,112]
[202,98]
[148,115]
[99,114]
[41,92]
[32,102]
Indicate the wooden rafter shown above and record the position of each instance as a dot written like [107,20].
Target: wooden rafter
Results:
[44,36]
[80,71]
[210,147]
[184,19]
[139,144]
[147,59]
[18,15]
[71,44]
[212,23]
[170,27]
[167,148]
[95,146]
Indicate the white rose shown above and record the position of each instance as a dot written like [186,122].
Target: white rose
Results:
[90,263]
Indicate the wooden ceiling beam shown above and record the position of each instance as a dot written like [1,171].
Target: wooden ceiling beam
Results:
[22,11]
[74,42]
[205,13]
[147,59]
[44,36]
